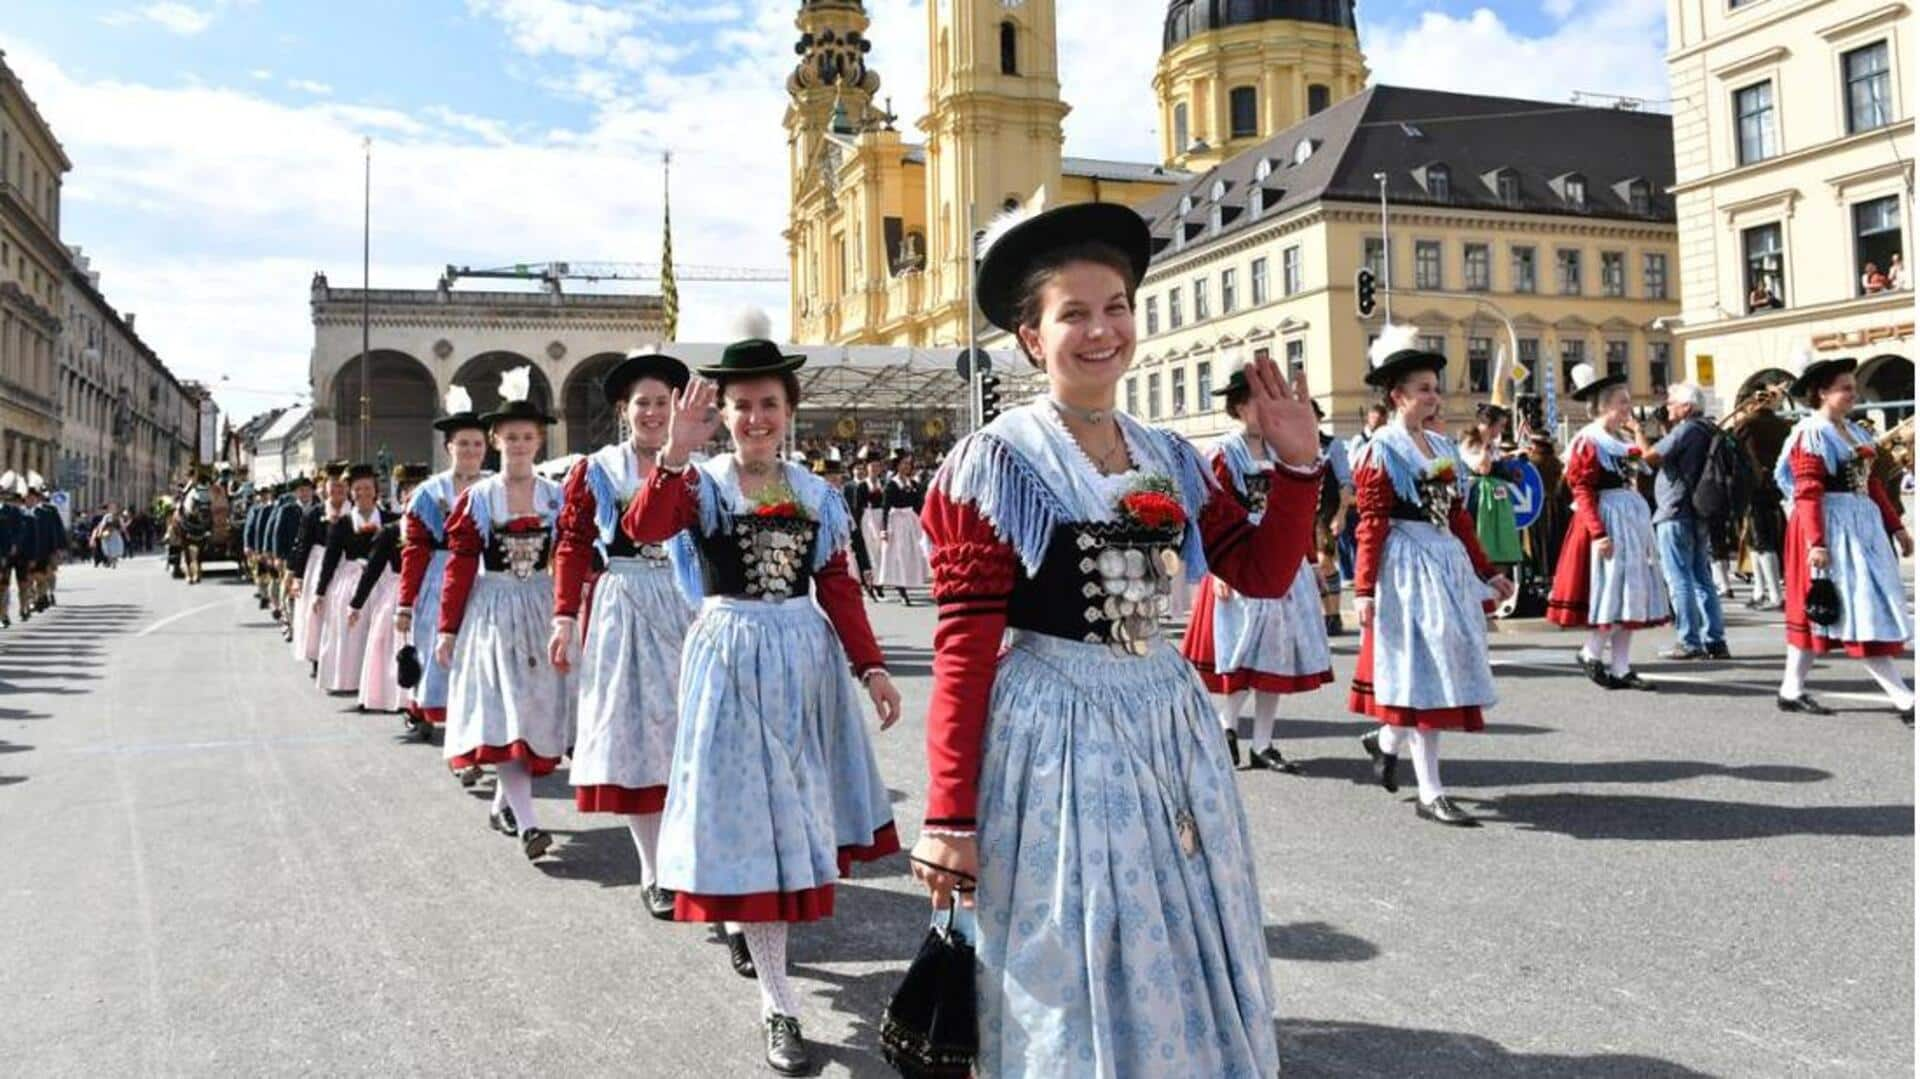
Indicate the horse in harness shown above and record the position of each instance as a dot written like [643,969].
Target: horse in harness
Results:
[192,527]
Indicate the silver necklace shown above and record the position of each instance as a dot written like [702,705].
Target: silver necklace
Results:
[1092,416]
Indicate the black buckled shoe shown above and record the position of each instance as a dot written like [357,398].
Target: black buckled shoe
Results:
[1632,680]
[469,775]
[1386,766]
[787,1051]
[739,956]
[659,902]
[1802,704]
[1906,716]
[1272,760]
[1443,811]
[1596,671]
[1233,745]
[534,842]
[503,822]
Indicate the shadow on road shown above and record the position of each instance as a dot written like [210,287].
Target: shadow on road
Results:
[1317,942]
[1643,817]
[1326,1048]
[1486,773]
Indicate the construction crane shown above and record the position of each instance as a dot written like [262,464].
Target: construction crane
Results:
[550,274]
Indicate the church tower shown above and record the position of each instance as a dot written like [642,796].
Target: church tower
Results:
[1233,73]
[993,130]
[830,100]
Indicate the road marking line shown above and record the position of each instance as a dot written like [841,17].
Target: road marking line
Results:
[172,618]
[1862,698]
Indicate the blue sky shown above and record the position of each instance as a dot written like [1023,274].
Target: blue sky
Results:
[216,142]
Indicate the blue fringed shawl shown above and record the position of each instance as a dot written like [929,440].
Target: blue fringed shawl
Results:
[1392,450]
[1024,473]
[721,501]
[613,476]
[1818,435]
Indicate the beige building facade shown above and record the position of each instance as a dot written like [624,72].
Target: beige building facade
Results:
[128,427]
[32,272]
[1570,239]
[1793,153]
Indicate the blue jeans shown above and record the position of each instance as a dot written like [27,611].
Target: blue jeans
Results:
[1686,554]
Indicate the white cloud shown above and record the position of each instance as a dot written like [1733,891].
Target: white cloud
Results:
[1612,48]
[319,89]
[563,27]
[170,15]
[261,73]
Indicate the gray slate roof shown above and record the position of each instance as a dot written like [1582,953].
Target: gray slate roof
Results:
[1403,131]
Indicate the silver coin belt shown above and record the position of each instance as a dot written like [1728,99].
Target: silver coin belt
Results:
[1129,586]
[773,554]
[1437,497]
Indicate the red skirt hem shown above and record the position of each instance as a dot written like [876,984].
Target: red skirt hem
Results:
[609,798]
[1263,682]
[518,751]
[1822,646]
[1468,718]
[807,905]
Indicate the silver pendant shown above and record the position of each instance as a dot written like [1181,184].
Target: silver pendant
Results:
[1187,832]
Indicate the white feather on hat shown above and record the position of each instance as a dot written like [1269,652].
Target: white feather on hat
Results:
[752,323]
[516,385]
[35,481]
[1392,339]
[458,400]
[10,483]
[1583,375]
[1799,361]
[1003,222]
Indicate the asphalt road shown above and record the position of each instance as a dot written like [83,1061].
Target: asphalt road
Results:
[212,869]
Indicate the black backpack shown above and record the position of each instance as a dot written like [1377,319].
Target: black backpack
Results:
[1724,490]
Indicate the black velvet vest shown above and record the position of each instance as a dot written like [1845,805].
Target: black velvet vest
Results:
[1102,583]
[759,558]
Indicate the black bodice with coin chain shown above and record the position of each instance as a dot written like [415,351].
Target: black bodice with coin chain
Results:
[1101,583]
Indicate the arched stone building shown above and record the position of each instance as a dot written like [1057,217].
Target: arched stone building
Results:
[424,340]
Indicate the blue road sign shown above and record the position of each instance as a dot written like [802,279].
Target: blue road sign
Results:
[1530,498]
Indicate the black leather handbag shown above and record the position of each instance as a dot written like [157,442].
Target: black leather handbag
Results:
[1823,600]
[931,1030]
[407,667]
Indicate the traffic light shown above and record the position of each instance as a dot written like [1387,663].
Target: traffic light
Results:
[1363,292]
[989,398]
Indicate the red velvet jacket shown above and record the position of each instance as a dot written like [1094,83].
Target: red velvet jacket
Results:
[669,503]
[1809,490]
[975,574]
[465,546]
[1374,496]
[574,538]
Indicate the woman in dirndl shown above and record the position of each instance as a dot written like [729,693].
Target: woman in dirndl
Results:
[423,563]
[507,704]
[1079,775]
[628,637]
[1422,583]
[903,557]
[1608,579]
[775,791]
[1843,528]
[309,553]
[343,639]
[376,598]
[1244,646]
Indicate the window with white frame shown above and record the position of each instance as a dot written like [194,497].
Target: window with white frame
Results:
[1753,121]
[1153,315]
[1869,87]
[1153,396]
[1373,254]
[1257,276]
[1229,291]
[1526,269]
[1566,271]
[1613,273]
[1176,315]
[1179,378]
[1290,271]
[1133,396]
[1616,358]
[1296,356]
[1479,364]
[1477,262]
[1659,365]
[1426,264]
[1202,310]
[1876,238]
[1766,259]
[1573,353]
[1203,382]
[1653,274]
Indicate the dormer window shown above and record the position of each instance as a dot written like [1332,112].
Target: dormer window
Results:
[1575,187]
[1186,205]
[1218,191]
[1509,184]
[1439,183]
[1302,151]
[1214,221]
[1256,202]
[1640,198]
[1263,170]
